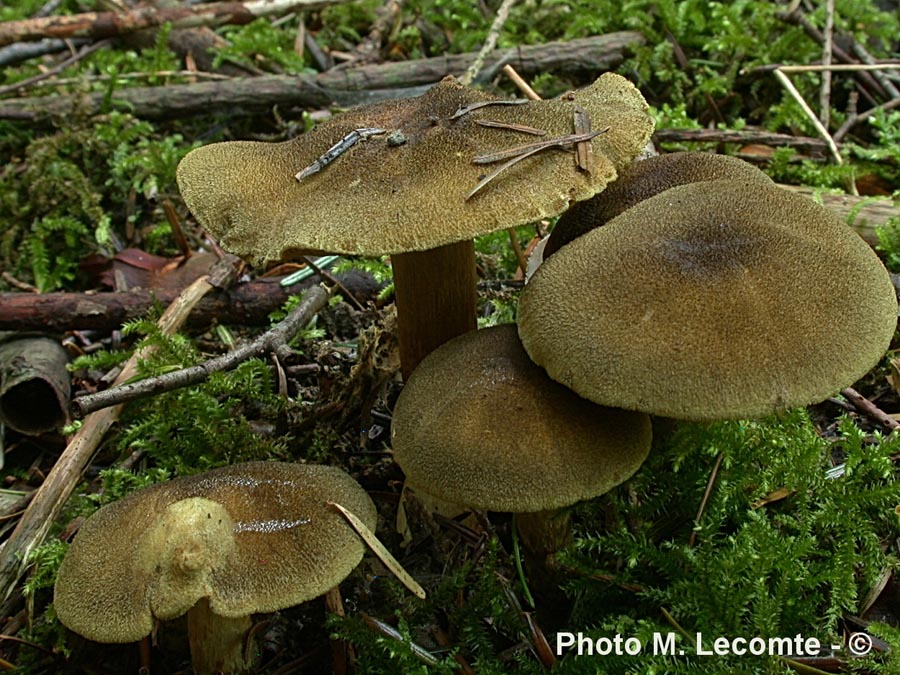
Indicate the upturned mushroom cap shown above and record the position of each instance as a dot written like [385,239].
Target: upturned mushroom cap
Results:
[253,537]
[715,300]
[406,190]
[643,179]
[479,424]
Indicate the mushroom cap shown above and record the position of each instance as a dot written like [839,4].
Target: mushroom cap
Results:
[252,538]
[643,179]
[479,424]
[714,300]
[382,197]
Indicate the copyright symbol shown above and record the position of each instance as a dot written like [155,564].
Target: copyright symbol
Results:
[859,644]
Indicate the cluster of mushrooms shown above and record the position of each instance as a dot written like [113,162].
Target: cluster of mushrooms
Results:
[692,288]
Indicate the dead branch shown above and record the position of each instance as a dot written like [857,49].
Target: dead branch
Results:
[112,24]
[246,304]
[866,80]
[870,410]
[22,51]
[744,136]
[274,340]
[489,43]
[349,86]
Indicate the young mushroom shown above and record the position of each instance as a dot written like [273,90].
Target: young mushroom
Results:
[478,424]
[643,179]
[404,191]
[244,539]
[714,300]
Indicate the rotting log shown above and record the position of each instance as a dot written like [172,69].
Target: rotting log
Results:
[341,86]
[246,304]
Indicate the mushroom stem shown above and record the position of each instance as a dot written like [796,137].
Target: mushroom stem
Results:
[217,642]
[544,532]
[435,296]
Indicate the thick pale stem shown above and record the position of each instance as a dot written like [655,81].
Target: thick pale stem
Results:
[435,296]
[544,532]
[217,642]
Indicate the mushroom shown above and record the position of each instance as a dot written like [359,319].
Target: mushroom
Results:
[479,425]
[243,539]
[714,300]
[405,192]
[643,179]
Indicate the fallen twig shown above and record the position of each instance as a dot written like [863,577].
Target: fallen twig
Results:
[823,132]
[743,136]
[864,78]
[58,68]
[247,304]
[108,24]
[466,109]
[523,86]
[827,50]
[869,409]
[338,149]
[584,150]
[275,340]
[853,120]
[489,43]
[492,124]
[521,152]
[349,86]
[517,151]
[62,479]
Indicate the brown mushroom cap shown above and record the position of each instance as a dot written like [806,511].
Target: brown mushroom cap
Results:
[715,300]
[383,197]
[643,179]
[252,537]
[479,424]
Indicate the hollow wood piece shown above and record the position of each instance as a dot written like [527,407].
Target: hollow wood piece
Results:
[435,297]
[217,642]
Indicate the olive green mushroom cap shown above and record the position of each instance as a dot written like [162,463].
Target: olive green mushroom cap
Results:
[714,300]
[643,179]
[478,424]
[252,538]
[406,190]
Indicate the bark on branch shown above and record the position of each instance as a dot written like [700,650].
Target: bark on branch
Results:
[274,340]
[98,25]
[246,304]
[344,87]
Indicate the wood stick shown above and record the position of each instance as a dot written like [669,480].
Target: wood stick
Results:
[743,136]
[344,87]
[489,43]
[110,24]
[54,492]
[864,78]
[792,90]
[870,410]
[531,95]
[827,47]
[58,68]
[271,341]
[247,304]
